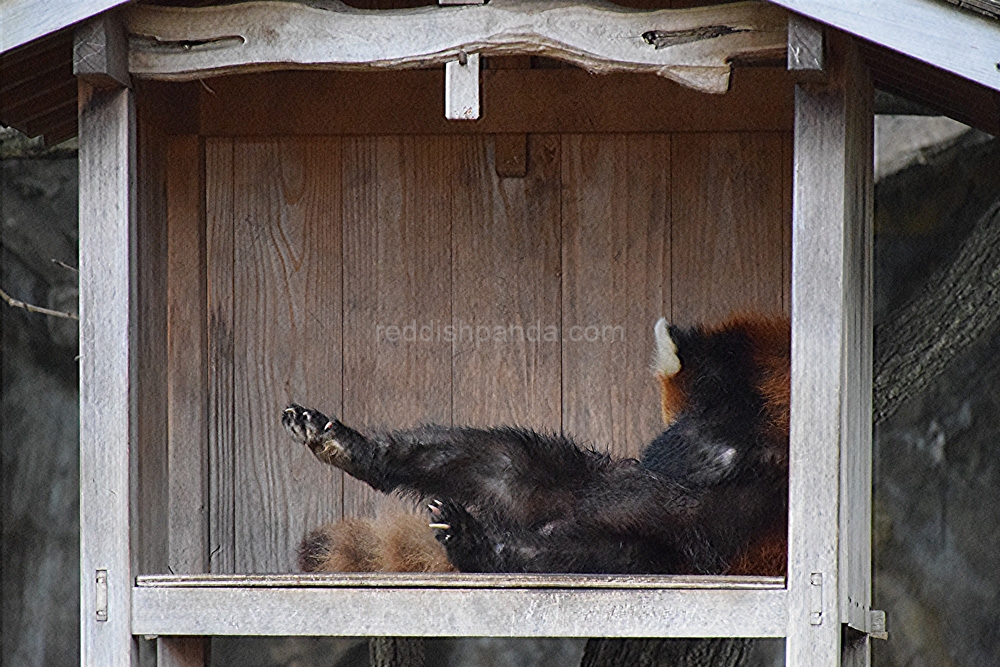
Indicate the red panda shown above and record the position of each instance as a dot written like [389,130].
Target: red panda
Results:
[708,495]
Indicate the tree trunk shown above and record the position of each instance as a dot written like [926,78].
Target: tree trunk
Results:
[727,652]
[396,652]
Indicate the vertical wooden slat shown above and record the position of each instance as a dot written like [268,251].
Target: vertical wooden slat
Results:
[219,254]
[831,371]
[506,288]
[616,268]
[187,442]
[728,219]
[107,380]
[149,511]
[287,340]
[397,273]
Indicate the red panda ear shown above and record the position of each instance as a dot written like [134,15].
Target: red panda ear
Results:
[666,365]
[666,362]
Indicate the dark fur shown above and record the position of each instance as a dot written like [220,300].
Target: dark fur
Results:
[518,501]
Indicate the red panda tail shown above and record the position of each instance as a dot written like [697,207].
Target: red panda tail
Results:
[392,543]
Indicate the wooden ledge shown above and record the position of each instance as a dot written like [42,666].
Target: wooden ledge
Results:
[691,46]
[422,580]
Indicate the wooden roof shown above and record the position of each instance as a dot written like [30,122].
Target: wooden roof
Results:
[924,50]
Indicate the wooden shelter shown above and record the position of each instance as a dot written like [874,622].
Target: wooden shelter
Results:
[264,185]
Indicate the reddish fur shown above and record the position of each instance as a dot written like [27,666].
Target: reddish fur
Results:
[391,543]
[403,543]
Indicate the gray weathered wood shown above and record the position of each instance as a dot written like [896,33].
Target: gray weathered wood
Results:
[926,30]
[25,20]
[461,87]
[831,360]
[460,612]
[513,378]
[806,47]
[728,225]
[219,253]
[287,327]
[397,273]
[100,53]
[691,46]
[464,580]
[107,380]
[616,284]
[187,395]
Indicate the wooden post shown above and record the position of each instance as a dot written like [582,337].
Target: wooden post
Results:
[107,386]
[829,569]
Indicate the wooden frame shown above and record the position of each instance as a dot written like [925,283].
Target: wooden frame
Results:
[829,552]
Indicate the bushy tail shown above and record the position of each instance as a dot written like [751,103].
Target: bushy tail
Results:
[391,543]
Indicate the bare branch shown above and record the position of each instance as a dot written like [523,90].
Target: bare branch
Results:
[14,303]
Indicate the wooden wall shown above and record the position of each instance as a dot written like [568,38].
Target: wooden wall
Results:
[316,244]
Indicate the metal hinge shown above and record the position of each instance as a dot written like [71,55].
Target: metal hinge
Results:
[816,598]
[101,595]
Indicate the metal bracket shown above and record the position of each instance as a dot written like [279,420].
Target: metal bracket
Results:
[101,595]
[461,79]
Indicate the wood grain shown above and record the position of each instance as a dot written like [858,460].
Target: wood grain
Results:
[150,537]
[26,20]
[219,307]
[831,363]
[187,395]
[108,387]
[514,101]
[691,46]
[397,273]
[728,225]
[287,340]
[616,268]
[506,287]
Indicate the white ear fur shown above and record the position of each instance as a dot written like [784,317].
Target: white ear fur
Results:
[666,362]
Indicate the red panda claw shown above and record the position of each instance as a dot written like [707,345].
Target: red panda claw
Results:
[439,526]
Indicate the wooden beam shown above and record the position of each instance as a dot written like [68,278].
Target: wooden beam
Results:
[691,46]
[806,48]
[926,30]
[107,372]
[459,612]
[100,53]
[829,522]
[520,102]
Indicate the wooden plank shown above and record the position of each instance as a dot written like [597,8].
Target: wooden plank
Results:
[149,537]
[465,580]
[27,20]
[831,319]
[460,612]
[506,288]
[107,371]
[514,101]
[187,357]
[926,30]
[806,48]
[691,46]
[728,222]
[100,53]
[616,269]
[397,273]
[182,651]
[287,340]
[219,292]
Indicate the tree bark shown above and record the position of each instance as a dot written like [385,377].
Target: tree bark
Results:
[953,309]
[396,652]
[726,652]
